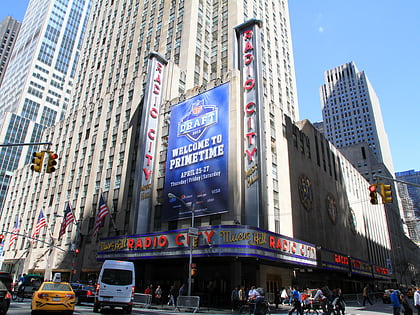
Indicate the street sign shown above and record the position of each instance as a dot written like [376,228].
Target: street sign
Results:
[192,231]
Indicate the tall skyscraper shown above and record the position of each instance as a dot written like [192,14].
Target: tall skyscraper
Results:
[37,84]
[410,199]
[352,116]
[218,77]
[97,142]
[9,29]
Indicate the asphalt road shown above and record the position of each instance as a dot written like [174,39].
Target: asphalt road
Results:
[24,308]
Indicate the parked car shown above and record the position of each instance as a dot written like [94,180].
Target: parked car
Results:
[386,296]
[53,296]
[7,279]
[5,297]
[85,293]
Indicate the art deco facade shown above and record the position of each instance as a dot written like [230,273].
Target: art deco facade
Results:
[36,89]
[100,147]
[9,29]
[352,115]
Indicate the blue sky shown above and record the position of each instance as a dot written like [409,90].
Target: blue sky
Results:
[380,36]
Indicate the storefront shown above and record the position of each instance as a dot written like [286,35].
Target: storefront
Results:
[223,257]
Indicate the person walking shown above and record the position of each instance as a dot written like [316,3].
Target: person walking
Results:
[366,295]
[158,295]
[297,302]
[234,298]
[395,301]
[171,296]
[417,300]
[406,306]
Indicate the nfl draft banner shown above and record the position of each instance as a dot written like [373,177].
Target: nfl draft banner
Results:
[249,63]
[197,161]
[148,136]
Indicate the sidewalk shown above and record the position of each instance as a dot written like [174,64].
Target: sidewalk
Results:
[352,309]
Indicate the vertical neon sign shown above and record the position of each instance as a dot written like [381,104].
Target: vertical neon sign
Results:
[148,136]
[249,63]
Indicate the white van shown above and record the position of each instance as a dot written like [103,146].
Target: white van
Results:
[116,284]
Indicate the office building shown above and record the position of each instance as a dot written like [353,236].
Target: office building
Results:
[409,192]
[37,84]
[9,29]
[352,115]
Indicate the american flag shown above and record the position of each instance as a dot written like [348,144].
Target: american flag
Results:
[39,225]
[67,219]
[14,232]
[103,211]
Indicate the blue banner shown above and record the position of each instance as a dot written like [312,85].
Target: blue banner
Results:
[197,162]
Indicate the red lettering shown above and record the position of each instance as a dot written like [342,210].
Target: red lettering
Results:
[278,246]
[163,241]
[209,235]
[156,89]
[149,158]
[151,134]
[248,58]
[147,242]
[250,108]
[272,241]
[179,239]
[139,243]
[248,34]
[130,243]
[157,79]
[285,245]
[293,248]
[250,136]
[147,173]
[251,154]
[248,47]
[154,112]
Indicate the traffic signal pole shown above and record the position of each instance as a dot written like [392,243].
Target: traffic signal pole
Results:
[22,144]
[398,180]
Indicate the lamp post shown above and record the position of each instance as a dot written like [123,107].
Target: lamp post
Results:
[190,233]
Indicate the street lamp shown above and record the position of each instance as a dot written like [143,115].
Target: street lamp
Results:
[191,232]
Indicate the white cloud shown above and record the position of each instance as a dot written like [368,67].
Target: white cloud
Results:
[321,29]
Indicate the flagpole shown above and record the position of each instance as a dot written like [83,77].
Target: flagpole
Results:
[110,214]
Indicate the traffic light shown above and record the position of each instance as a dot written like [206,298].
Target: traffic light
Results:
[76,251]
[194,272]
[37,161]
[373,194]
[386,193]
[52,157]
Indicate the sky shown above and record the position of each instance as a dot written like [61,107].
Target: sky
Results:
[382,38]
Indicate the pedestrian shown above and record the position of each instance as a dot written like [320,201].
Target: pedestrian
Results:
[417,300]
[321,299]
[181,291]
[171,296]
[395,301]
[252,293]
[283,296]
[234,298]
[366,295]
[158,295]
[242,296]
[406,305]
[338,303]
[297,302]
[148,290]
[289,292]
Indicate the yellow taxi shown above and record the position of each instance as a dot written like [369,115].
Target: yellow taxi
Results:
[54,296]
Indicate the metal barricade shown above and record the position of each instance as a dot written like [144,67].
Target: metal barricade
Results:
[192,302]
[143,300]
